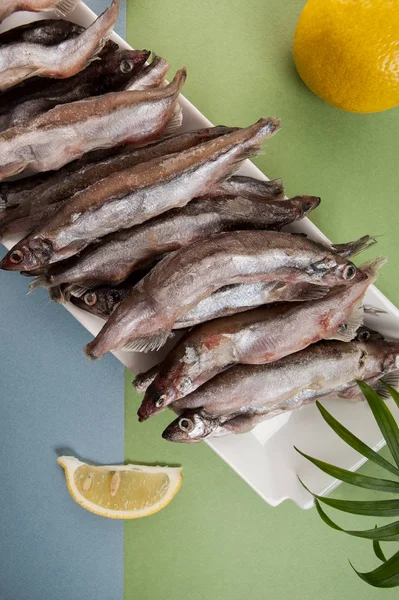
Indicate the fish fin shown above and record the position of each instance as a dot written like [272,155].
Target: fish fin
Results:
[347,331]
[314,292]
[26,72]
[57,295]
[78,291]
[148,343]
[174,123]
[266,345]
[391,379]
[12,169]
[355,247]
[373,310]
[39,282]
[64,7]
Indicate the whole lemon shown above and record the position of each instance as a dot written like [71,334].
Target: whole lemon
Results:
[347,52]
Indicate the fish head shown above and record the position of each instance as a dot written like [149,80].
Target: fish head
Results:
[30,253]
[305,205]
[382,355]
[191,426]
[99,301]
[119,67]
[155,401]
[171,384]
[333,270]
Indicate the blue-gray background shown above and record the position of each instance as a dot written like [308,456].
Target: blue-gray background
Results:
[53,401]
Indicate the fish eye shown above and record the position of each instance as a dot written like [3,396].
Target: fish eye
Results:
[186,425]
[160,401]
[126,66]
[349,272]
[363,336]
[90,298]
[16,257]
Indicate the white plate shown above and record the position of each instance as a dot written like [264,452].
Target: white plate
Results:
[265,458]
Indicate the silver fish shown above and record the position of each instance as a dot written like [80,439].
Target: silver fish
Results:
[234,299]
[26,197]
[19,62]
[61,7]
[238,298]
[258,336]
[145,319]
[101,122]
[257,393]
[72,292]
[123,252]
[37,87]
[139,194]
[110,74]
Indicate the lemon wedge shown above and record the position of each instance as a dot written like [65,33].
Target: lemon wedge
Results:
[120,491]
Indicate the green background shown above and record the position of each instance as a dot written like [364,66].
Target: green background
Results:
[218,539]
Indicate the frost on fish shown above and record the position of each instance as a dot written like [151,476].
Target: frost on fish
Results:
[143,192]
[198,270]
[110,74]
[259,336]
[101,122]
[126,251]
[45,192]
[240,398]
[233,299]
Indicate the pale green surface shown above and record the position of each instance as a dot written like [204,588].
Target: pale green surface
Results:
[218,539]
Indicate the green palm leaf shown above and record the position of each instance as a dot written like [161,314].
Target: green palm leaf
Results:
[387,574]
[354,442]
[385,533]
[378,550]
[371,483]
[370,508]
[384,576]
[384,418]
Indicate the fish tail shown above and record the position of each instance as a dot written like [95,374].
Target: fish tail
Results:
[64,7]
[142,381]
[178,81]
[251,144]
[151,76]
[93,39]
[264,128]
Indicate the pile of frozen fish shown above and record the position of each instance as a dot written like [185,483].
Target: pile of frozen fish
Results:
[152,231]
